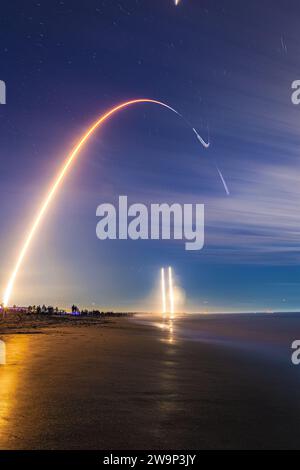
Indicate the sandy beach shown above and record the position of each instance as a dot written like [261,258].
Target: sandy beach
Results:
[147,384]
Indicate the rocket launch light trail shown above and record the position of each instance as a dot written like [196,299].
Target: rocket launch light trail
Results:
[60,177]
[171,292]
[163,291]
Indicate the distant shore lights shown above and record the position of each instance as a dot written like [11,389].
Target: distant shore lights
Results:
[170,292]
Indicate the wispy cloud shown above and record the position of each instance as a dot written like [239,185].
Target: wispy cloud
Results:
[260,222]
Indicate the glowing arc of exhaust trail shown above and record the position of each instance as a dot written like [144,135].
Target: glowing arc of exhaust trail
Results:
[57,182]
[53,189]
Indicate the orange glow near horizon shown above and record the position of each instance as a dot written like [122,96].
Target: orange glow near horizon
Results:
[58,181]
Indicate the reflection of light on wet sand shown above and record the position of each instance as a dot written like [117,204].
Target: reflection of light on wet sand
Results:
[168,374]
[2,353]
[9,379]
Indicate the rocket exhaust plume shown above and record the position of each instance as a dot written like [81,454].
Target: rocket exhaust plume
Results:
[202,141]
[223,180]
[171,292]
[60,177]
[163,292]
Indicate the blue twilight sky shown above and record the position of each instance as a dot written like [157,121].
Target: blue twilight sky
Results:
[225,65]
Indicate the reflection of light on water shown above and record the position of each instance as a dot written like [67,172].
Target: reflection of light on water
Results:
[168,372]
[168,326]
[171,332]
[9,378]
[166,323]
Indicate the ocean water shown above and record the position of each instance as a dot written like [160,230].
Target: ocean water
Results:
[270,335]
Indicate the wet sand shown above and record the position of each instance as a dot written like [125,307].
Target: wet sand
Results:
[127,385]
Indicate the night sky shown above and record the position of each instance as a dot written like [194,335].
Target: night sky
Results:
[227,66]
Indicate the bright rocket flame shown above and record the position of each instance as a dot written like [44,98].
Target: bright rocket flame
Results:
[163,291]
[171,292]
[57,182]
[177,2]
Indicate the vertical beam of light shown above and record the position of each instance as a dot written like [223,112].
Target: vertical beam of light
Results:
[163,292]
[171,292]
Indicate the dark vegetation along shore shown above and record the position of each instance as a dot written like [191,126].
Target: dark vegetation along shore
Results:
[27,322]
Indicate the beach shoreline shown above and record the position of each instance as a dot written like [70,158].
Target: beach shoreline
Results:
[120,385]
[24,323]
